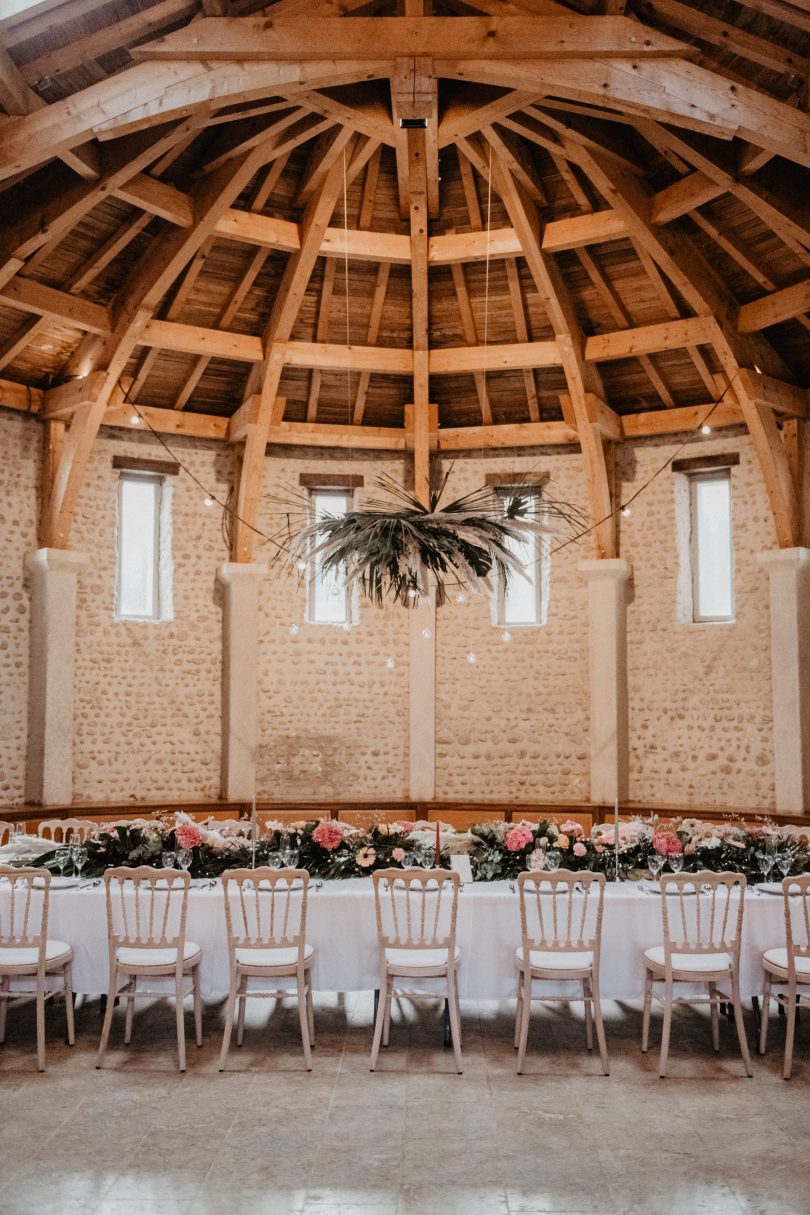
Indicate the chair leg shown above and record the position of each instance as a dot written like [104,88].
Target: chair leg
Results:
[645,1021]
[310,1011]
[303,1019]
[600,1028]
[181,1023]
[108,1013]
[667,1025]
[240,1023]
[195,987]
[40,1027]
[128,1021]
[69,1019]
[226,1037]
[455,1019]
[586,996]
[379,1021]
[763,1018]
[790,1030]
[526,980]
[715,1012]
[458,1014]
[518,1008]
[740,1024]
[4,987]
[389,995]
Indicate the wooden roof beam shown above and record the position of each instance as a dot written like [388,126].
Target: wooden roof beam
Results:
[774,308]
[415,98]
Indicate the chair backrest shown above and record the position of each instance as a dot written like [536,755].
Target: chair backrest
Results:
[365,819]
[60,830]
[24,915]
[416,908]
[462,819]
[146,908]
[6,832]
[702,912]
[561,912]
[796,892]
[266,908]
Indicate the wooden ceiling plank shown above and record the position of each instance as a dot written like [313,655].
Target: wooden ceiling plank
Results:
[684,196]
[522,332]
[321,334]
[465,114]
[326,149]
[515,156]
[158,198]
[369,117]
[30,296]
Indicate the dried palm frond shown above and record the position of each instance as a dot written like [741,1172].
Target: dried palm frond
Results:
[399,548]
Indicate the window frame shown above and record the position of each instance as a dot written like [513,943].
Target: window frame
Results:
[540,565]
[159,482]
[718,473]
[349,614]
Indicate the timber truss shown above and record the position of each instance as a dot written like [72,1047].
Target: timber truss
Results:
[251,207]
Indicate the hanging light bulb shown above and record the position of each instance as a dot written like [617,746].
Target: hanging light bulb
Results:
[626,512]
[472,658]
[506,636]
[134,419]
[461,597]
[346,627]
[294,629]
[390,664]
[705,429]
[426,633]
[302,565]
[209,501]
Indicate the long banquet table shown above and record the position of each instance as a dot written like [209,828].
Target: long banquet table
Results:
[341,927]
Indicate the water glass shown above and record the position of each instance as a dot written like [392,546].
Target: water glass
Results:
[289,858]
[274,860]
[784,862]
[78,853]
[553,860]
[62,858]
[675,860]
[184,857]
[767,860]
[168,858]
[655,863]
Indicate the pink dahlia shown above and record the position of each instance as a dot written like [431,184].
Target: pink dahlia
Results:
[517,838]
[188,835]
[398,855]
[666,843]
[403,828]
[569,827]
[579,848]
[328,835]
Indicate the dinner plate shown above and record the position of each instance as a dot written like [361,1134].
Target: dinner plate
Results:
[769,887]
[59,883]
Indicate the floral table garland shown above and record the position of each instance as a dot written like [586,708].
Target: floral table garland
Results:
[498,851]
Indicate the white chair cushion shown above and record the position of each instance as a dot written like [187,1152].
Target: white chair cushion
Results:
[777,959]
[56,954]
[546,959]
[692,962]
[275,956]
[149,956]
[411,959]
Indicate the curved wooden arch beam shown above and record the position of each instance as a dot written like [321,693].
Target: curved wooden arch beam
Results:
[583,379]
[286,307]
[131,309]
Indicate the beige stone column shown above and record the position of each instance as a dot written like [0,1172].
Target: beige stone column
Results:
[789,578]
[240,679]
[54,577]
[422,673]
[607,643]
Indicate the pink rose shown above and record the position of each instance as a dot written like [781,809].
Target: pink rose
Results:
[569,827]
[517,838]
[599,847]
[689,849]
[398,854]
[188,835]
[328,835]
[579,848]
[666,843]
[754,830]
[402,828]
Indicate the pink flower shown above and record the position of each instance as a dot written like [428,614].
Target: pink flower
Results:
[328,835]
[689,849]
[599,847]
[188,835]
[398,854]
[754,830]
[403,828]
[517,838]
[569,827]
[366,857]
[579,848]
[666,843]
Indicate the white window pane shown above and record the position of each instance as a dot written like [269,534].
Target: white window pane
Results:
[138,547]
[712,549]
[329,601]
[520,595]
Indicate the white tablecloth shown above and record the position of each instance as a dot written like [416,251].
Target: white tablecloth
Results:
[341,926]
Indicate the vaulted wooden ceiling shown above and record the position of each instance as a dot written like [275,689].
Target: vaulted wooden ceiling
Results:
[212,209]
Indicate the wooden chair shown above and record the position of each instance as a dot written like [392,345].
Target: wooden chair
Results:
[146,928]
[30,963]
[366,819]
[561,936]
[788,968]
[416,913]
[266,919]
[6,832]
[61,830]
[702,917]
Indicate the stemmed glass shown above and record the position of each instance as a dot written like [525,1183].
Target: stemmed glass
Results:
[289,856]
[168,858]
[184,857]
[655,863]
[553,860]
[78,854]
[675,860]
[62,858]
[767,860]
[784,861]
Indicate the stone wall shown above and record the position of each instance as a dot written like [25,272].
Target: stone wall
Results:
[513,724]
[20,455]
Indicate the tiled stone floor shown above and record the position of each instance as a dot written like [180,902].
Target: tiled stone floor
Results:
[266,1138]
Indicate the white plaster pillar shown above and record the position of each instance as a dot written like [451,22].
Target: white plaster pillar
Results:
[607,644]
[789,578]
[422,661]
[54,577]
[240,677]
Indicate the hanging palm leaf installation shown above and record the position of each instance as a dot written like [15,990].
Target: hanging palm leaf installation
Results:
[402,549]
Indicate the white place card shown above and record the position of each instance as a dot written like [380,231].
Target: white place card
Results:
[460,864]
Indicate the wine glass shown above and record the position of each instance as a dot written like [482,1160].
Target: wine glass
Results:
[184,857]
[784,861]
[767,860]
[78,853]
[675,860]
[274,860]
[553,860]
[62,858]
[655,863]
[289,857]
[168,858]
